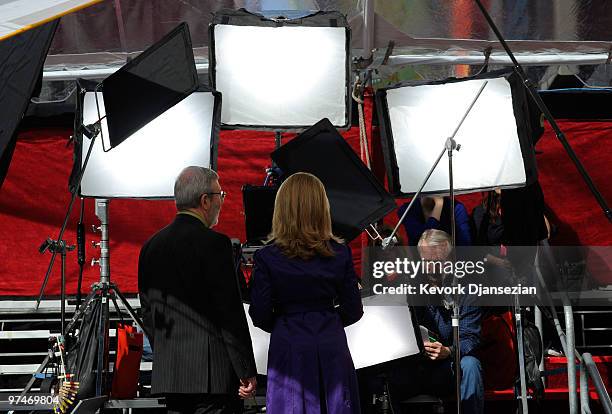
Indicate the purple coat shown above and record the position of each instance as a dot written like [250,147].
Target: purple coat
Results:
[305,305]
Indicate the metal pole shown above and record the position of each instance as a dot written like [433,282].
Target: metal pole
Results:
[368,28]
[604,397]
[571,360]
[584,389]
[542,106]
[101,210]
[102,213]
[62,245]
[521,355]
[450,146]
[60,236]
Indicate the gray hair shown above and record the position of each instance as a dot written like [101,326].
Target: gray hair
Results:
[434,238]
[190,184]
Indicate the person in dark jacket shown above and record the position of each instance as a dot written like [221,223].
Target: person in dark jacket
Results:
[304,292]
[435,213]
[436,245]
[202,353]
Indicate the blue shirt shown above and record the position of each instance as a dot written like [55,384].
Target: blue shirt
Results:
[415,223]
[439,320]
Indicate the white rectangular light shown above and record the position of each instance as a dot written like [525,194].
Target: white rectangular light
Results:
[420,118]
[284,77]
[146,164]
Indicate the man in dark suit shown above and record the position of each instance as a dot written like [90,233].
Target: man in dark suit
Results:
[202,352]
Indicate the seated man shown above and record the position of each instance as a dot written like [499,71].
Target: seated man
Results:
[433,372]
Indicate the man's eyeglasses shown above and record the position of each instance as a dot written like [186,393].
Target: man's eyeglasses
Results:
[222,194]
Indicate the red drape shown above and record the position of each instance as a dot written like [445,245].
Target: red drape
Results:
[34,197]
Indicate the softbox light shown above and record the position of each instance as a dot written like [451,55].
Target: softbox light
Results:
[280,74]
[148,85]
[146,165]
[356,197]
[417,118]
[22,59]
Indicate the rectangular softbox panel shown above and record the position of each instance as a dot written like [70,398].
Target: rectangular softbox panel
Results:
[417,118]
[356,197]
[146,165]
[148,85]
[21,62]
[280,74]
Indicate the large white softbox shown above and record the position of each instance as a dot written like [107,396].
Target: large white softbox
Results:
[496,150]
[280,75]
[146,165]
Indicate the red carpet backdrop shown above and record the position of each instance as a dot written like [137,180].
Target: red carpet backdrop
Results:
[35,194]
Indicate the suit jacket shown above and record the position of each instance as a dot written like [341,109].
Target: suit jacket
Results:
[192,308]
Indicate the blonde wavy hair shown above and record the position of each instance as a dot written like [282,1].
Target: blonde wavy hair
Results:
[301,224]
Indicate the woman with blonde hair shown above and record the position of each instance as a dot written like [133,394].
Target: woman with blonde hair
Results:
[304,292]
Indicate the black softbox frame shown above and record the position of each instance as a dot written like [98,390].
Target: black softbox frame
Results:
[84,86]
[579,103]
[242,17]
[521,112]
[258,202]
[357,199]
[22,60]
[150,84]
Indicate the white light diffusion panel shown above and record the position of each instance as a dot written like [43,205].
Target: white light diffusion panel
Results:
[383,333]
[281,77]
[422,118]
[146,164]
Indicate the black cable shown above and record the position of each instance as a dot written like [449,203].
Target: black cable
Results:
[80,252]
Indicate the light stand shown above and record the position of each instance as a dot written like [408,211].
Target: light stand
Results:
[449,146]
[59,247]
[518,320]
[573,399]
[92,132]
[542,106]
[104,289]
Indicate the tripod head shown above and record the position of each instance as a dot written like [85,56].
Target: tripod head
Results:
[55,246]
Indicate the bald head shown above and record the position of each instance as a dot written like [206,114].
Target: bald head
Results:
[191,183]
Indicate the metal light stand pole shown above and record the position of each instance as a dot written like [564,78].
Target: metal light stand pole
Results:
[101,210]
[566,338]
[573,398]
[521,355]
[538,100]
[449,146]
[103,291]
[94,130]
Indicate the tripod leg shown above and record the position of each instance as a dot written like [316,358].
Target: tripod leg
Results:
[102,361]
[62,246]
[521,356]
[571,360]
[130,310]
[32,380]
[77,315]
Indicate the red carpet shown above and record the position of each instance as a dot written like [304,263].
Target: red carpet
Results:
[34,197]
